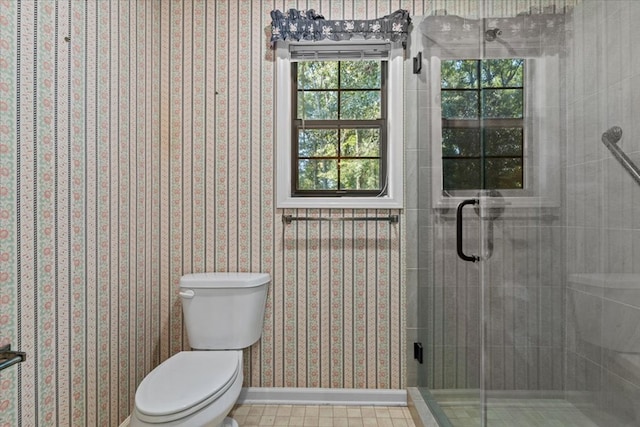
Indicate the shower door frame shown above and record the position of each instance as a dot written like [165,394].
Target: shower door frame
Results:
[440,216]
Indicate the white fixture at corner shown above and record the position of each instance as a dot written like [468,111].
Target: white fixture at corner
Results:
[223,314]
[607,310]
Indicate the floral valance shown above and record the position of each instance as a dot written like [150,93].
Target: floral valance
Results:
[308,25]
[526,35]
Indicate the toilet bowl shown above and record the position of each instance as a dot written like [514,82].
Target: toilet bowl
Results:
[194,388]
[224,312]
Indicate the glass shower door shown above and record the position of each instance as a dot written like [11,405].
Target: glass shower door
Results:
[522,312]
[493,281]
[517,254]
[527,334]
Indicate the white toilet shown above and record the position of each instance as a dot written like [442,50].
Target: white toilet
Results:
[223,313]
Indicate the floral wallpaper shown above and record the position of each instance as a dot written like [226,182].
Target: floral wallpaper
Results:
[137,145]
[311,26]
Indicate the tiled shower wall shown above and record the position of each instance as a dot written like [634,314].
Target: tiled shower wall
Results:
[603,201]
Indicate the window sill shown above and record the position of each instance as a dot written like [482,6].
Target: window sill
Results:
[509,202]
[340,203]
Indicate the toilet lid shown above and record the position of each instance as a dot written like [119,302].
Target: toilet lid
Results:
[187,379]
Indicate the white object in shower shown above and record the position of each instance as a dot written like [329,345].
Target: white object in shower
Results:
[607,309]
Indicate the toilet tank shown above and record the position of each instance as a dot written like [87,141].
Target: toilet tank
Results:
[223,311]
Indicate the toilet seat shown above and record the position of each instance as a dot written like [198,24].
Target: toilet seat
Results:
[186,383]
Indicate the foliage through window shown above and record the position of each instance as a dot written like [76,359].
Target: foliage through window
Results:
[339,128]
[482,124]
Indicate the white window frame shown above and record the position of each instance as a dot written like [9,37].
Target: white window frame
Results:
[393,198]
[542,138]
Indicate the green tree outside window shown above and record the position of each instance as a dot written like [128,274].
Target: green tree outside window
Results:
[482,124]
[339,128]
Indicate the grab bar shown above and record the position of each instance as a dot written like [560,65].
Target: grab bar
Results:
[610,139]
[392,219]
[9,357]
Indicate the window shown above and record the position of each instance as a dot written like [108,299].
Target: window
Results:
[495,124]
[339,130]
[482,124]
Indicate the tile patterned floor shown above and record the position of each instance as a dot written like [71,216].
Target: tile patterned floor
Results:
[521,414]
[322,415]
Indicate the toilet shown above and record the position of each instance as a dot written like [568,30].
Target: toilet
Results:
[223,313]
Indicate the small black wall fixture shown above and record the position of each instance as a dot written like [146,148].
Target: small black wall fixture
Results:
[417,63]
[418,352]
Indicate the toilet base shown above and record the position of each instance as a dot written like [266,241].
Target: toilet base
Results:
[229,422]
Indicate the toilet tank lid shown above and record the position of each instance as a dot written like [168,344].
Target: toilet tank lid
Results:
[224,280]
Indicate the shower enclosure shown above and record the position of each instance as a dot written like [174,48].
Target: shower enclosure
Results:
[524,225]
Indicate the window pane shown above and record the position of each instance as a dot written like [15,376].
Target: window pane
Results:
[460,142]
[317,174]
[318,75]
[360,174]
[361,105]
[504,173]
[502,103]
[461,174]
[503,142]
[498,149]
[459,74]
[321,105]
[360,142]
[502,72]
[458,104]
[338,154]
[317,142]
[360,74]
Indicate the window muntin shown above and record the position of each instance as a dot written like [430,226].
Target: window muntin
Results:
[339,129]
[482,124]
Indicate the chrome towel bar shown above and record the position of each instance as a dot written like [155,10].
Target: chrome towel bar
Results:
[391,219]
[9,357]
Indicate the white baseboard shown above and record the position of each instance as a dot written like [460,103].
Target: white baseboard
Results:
[317,396]
[321,396]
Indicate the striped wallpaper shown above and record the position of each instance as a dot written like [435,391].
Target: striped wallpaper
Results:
[136,145]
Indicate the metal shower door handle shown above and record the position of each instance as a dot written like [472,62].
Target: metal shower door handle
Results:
[461,254]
